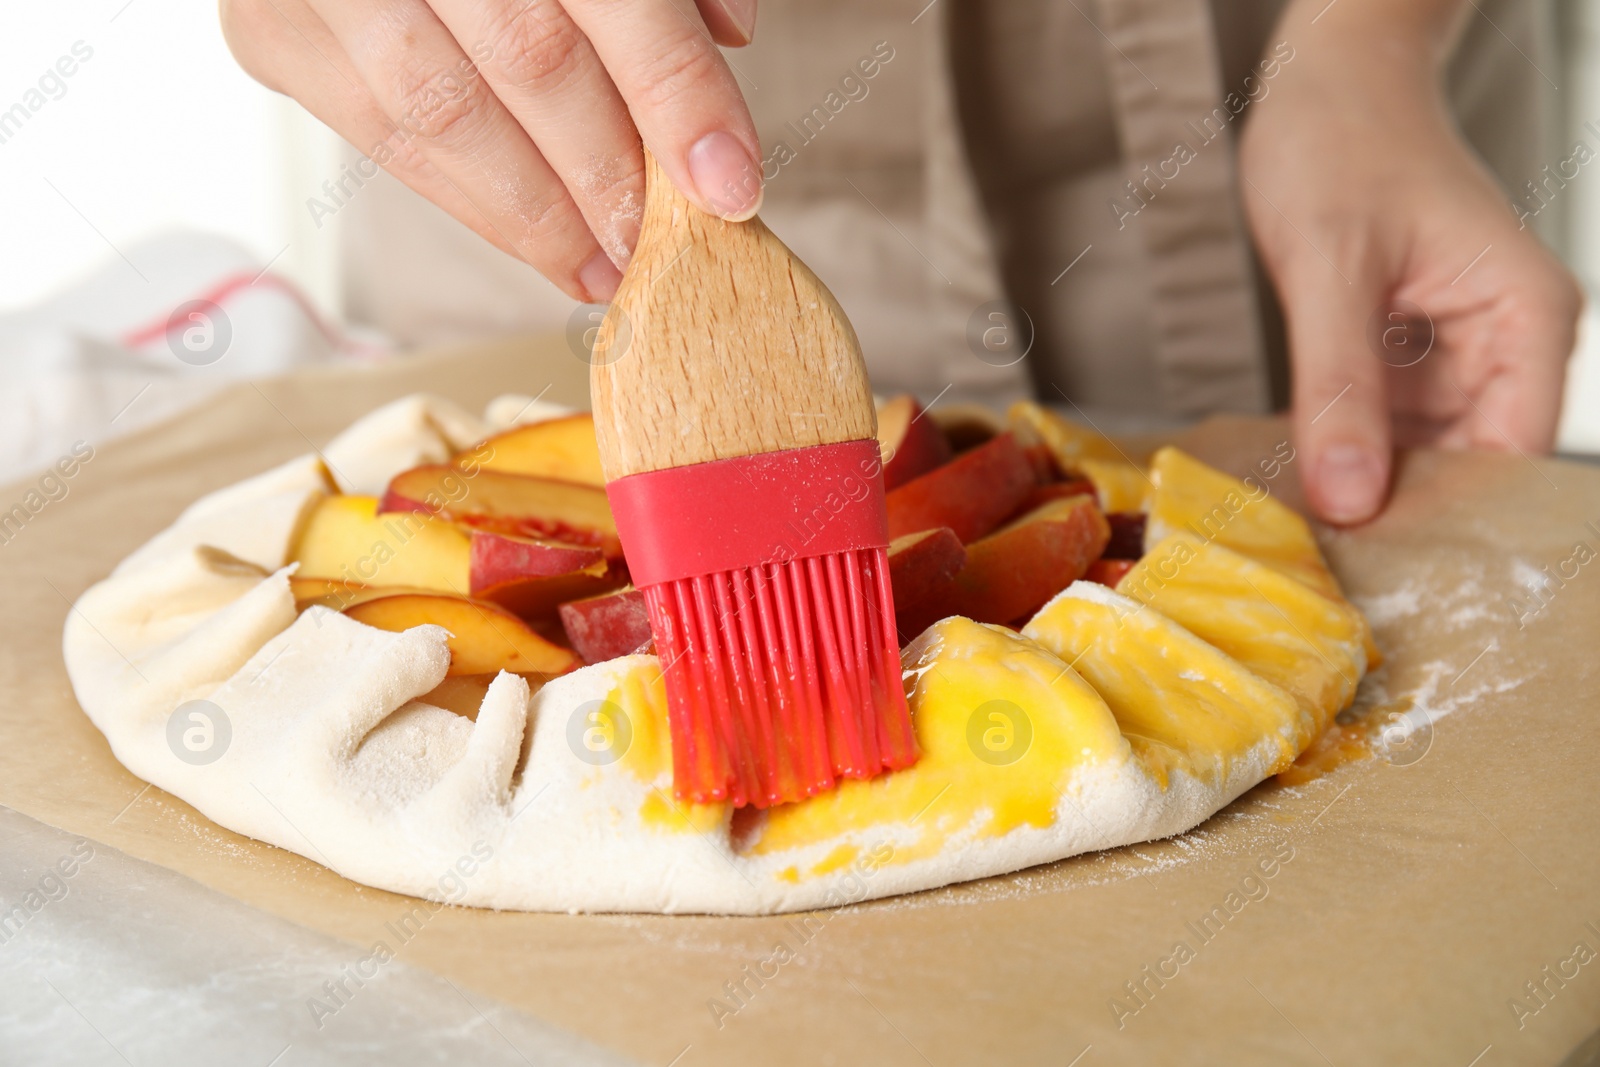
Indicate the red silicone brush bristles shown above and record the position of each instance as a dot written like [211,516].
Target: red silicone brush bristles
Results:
[782,678]
[767,582]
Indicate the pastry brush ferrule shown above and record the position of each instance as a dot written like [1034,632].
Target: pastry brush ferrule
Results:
[766,580]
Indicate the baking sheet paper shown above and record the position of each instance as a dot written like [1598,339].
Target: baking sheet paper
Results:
[1433,906]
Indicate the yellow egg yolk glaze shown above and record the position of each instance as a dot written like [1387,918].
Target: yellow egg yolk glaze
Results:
[642,701]
[1246,518]
[1229,635]
[1243,516]
[1280,628]
[1001,725]
[1182,704]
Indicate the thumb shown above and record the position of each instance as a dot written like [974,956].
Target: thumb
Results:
[1341,411]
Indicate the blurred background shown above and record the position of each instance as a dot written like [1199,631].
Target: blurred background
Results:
[158,161]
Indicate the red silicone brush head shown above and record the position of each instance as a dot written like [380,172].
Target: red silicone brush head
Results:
[766,579]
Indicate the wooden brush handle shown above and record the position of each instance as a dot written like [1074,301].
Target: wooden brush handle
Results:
[720,343]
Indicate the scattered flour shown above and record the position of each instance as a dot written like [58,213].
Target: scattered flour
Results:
[1529,577]
[1400,708]
[1406,733]
[1390,607]
[1457,603]
[1439,601]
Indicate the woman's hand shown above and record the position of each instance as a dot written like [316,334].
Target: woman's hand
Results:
[1367,205]
[523,118]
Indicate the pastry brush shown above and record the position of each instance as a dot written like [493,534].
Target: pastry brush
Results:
[738,438]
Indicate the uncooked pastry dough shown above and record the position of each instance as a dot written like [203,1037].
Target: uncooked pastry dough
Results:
[333,756]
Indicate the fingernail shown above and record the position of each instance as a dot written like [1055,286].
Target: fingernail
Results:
[725,176]
[1350,483]
[742,13]
[600,278]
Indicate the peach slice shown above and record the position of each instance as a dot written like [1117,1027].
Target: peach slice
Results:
[495,558]
[1015,570]
[508,503]
[1068,442]
[912,445]
[349,552]
[605,627]
[966,426]
[347,540]
[1040,495]
[562,448]
[1120,486]
[531,576]
[1109,572]
[538,598]
[462,694]
[1043,463]
[922,569]
[971,494]
[331,593]
[485,638]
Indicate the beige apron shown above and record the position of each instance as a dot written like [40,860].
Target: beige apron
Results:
[968,174]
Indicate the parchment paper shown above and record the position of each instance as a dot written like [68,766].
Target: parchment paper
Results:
[1420,892]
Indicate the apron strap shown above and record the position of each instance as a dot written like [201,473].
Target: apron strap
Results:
[1178,143]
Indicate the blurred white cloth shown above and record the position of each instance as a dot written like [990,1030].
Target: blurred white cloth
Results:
[113,353]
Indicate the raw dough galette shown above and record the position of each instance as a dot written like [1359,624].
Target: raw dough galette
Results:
[1111,716]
